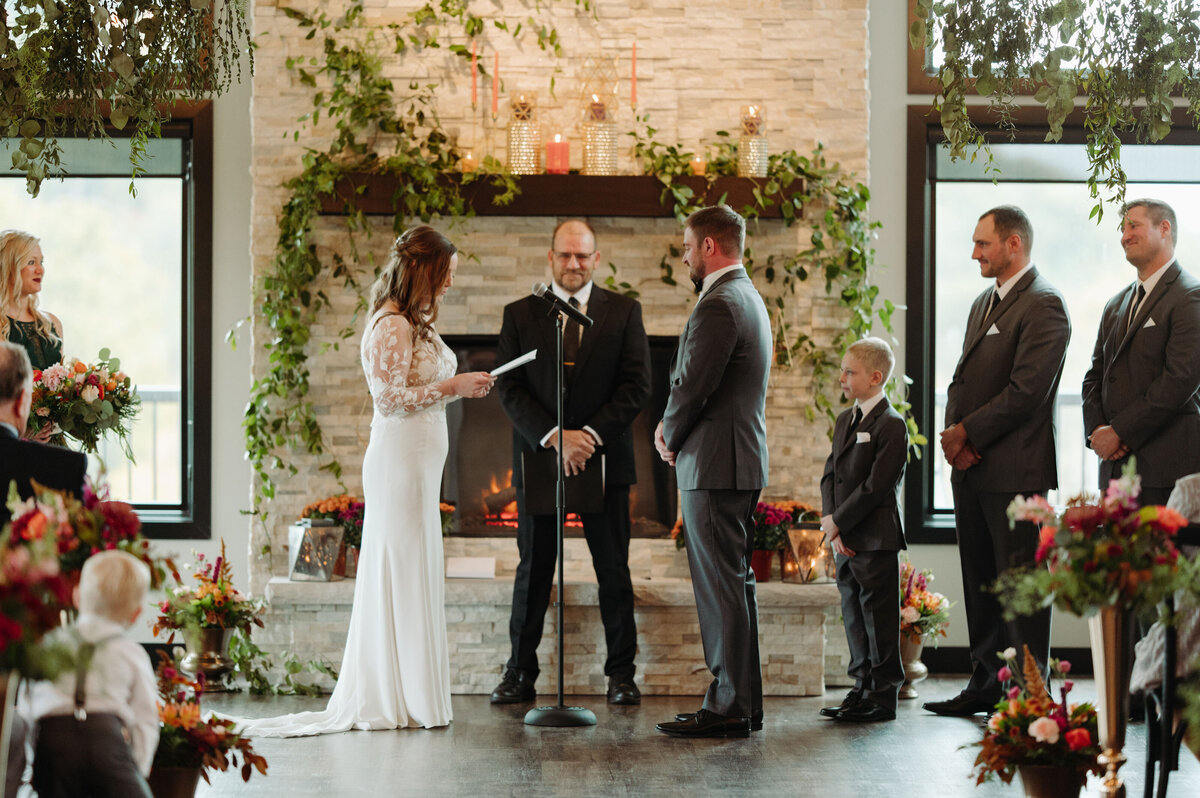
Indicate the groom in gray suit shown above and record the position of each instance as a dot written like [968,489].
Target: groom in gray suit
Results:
[714,432]
[999,440]
[1140,395]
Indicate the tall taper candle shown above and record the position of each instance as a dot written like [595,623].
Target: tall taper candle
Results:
[474,74]
[633,79]
[496,85]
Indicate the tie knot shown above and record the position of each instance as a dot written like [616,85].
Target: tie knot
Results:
[573,302]
[1141,292]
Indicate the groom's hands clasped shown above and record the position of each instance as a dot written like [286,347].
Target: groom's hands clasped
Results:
[660,443]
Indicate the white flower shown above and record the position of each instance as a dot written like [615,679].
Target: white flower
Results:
[89,393]
[43,411]
[994,721]
[1010,653]
[52,378]
[910,615]
[1044,730]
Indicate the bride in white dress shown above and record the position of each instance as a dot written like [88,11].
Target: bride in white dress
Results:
[396,668]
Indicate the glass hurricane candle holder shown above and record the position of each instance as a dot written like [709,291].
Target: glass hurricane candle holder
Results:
[524,136]
[753,147]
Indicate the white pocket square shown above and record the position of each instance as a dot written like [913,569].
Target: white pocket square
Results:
[1149,323]
[862,437]
[993,330]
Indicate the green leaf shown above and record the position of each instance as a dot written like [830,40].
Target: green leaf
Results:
[119,118]
[122,64]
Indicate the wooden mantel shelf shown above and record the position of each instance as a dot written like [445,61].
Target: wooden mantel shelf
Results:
[555,195]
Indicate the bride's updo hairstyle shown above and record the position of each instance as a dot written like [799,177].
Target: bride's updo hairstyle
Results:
[414,275]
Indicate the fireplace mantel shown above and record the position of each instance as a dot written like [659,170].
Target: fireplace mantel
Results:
[555,195]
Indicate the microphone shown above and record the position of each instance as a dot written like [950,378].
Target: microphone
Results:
[543,291]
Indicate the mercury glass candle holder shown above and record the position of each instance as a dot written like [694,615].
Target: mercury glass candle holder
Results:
[599,148]
[524,137]
[753,148]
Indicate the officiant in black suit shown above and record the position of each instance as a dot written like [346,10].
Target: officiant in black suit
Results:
[24,460]
[606,382]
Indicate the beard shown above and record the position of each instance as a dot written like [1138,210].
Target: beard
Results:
[696,274]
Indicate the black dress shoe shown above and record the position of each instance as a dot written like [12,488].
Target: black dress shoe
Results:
[865,712]
[962,705]
[756,720]
[515,688]
[624,692]
[707,724]
[852,699]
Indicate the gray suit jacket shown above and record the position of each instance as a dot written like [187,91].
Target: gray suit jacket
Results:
[1143,381]
[861,484]
[715,418]
[1005,383]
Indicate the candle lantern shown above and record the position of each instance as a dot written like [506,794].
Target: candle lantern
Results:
[753,149]
[524,136]
[313,546]
[807,558]
[599,85]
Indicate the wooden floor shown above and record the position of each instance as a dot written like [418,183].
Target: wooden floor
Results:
[488,751]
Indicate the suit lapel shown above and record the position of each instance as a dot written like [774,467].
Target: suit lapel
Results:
[980,307]
[863,426]
[597,309]
[1160,290]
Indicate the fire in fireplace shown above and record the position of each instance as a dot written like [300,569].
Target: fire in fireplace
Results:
[478,475]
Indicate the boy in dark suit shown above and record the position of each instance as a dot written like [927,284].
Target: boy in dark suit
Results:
[860,515]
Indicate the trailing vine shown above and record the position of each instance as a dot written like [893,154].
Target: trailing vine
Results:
[806,189]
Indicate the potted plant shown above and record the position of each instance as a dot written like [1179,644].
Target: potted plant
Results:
[771,524]
[923,615]
[348,512]
[190,744]
[1109,560]
[1052,744]
[208,615]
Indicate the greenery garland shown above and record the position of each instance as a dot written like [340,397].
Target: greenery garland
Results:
[68,68]
[360,103]
[1126,58]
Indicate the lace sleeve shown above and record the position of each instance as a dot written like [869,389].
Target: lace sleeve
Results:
[389,366]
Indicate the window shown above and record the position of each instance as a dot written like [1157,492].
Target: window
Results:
[133,274]
[1082,259]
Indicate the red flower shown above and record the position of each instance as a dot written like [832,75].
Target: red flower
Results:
[1084,519]
[10,631]
[122,521]
[1078,738]
[1115,550]
[1045,541]
[1089,567]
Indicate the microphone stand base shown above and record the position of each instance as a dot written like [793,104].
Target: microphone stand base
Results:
[560,716]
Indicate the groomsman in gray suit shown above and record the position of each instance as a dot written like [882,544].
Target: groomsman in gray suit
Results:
[999,439]
[714,432]
[1139,396]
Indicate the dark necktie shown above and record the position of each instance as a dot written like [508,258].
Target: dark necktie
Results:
[1137,303]
[571,333]
[857,419]
[992,305]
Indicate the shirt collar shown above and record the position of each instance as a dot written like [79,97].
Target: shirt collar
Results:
[16,433]
[1003,290]
[712,277]
[1153,279]
[582,295]
[867,405]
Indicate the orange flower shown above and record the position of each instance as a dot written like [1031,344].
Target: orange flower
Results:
[80,367]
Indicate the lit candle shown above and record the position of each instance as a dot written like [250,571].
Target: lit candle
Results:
[496,85]
[474,74]
[597,111]
[699,165]
[558,155]
[522,108]
[468,163]
[633,80]
[752,121]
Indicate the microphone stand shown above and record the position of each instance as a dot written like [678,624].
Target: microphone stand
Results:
[560,715]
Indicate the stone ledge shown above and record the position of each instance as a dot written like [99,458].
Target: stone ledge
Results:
[498,592]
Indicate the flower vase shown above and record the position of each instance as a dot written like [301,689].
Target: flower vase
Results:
[174,782]
[208,653]
[915,671]
[1051,781]
[351,562]
[760,563]
[1112,662]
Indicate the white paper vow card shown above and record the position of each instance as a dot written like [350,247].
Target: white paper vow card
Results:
[470,567]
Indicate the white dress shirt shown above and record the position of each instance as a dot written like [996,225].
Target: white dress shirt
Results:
[119,682]
[712,277]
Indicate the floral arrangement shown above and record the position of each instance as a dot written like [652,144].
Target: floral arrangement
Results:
[213,604]
[923,614]
[677,534]
[771,523]
[85,401]
[33,590]
[82,527]
[1030,728]
[187,739]
[346,510]
[447,511]
[1098,554]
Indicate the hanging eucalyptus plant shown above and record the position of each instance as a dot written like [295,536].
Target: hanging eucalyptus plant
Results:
[1123,61]
[71,67]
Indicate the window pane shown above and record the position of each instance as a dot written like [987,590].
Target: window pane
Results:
[113,276]
[1080,258]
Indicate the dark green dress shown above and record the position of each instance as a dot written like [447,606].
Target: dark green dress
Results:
[43,352]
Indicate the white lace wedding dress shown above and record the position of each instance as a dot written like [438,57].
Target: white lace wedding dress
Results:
[396,668]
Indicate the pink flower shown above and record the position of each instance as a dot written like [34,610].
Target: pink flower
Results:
[910,615]
[1064,667]
[1044,730]
[1068,685]
[1078,738]
[1005,674]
